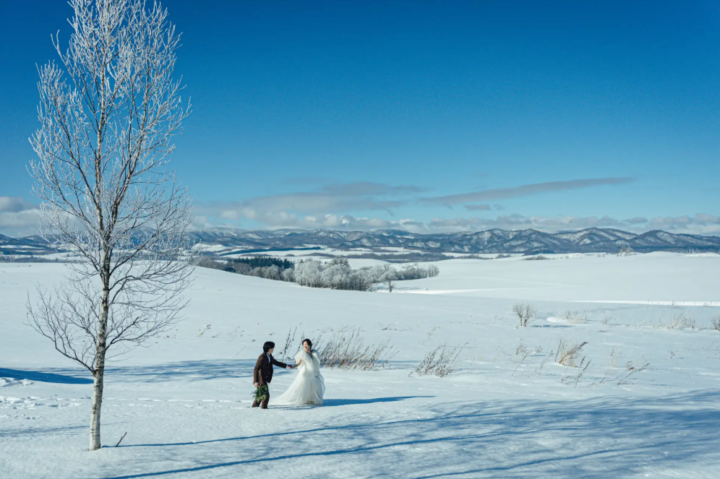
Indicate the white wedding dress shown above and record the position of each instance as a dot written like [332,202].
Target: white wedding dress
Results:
[308,386]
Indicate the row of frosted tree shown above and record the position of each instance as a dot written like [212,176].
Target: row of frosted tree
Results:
[335,274]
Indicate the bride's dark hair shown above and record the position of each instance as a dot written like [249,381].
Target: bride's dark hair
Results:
[308,341]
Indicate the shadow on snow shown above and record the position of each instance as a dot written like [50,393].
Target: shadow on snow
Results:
[186,371]
[594,438]
[349,402]
[42,376]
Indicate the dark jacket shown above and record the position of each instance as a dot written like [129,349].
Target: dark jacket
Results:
[263,372]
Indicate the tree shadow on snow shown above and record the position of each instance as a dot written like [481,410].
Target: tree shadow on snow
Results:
[350,402]
[186,370]
[41,432]
[592,438]
[42,376]
[202,370]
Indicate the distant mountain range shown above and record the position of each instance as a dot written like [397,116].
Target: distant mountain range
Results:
[29,246]
[223,241]
[529,241]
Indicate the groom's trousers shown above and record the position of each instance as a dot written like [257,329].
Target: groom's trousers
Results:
[264,403]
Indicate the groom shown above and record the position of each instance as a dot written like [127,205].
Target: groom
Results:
[263,373]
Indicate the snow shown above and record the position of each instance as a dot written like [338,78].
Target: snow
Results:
[321,253]
[509,410]
[664,277]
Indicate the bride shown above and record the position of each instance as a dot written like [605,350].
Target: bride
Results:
[309,385]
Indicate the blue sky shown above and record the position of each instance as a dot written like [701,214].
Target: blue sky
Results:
[429,116]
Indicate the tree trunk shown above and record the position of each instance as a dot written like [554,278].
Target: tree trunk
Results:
[99,374]
[96,408]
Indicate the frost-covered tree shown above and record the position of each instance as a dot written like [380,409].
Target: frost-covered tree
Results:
[339,261]
[272,272]
[288,275]
[108,112]
[416,272]
[388,276]
[309,273]
[336,275]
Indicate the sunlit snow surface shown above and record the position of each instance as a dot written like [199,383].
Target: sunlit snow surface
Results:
[509,411]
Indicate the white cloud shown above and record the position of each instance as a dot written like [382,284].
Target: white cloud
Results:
[521,191]
[333,199]
[702,224]
[327,221]
[324,210]
[638,220]
[513,222]
[18,217]
[13,204]
[476,207]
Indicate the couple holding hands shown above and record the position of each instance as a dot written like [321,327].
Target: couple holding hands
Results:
[308,388]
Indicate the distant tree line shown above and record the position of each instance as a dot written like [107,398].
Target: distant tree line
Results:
[335,274]
[260,262]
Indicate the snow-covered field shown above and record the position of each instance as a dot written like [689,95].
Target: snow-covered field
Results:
[510,410]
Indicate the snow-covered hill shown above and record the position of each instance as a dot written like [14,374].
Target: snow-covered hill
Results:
[492,241]
[224,241]
[509,411]
[23,247]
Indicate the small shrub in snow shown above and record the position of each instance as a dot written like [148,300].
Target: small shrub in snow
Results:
[348,351]
[568,354]
[204,330]
[286,353]
[575,379]
[681,322]
[525,313]
[575,317]
[623,375]
[630,370]
[439,362]
[716,323]
[523,350]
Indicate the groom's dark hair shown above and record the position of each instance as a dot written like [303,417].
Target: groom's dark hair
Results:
[268,346]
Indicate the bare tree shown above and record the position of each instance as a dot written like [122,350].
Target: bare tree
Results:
[108,113]
[525,313]
[715,323]
[389,275]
